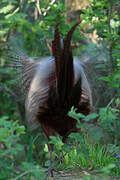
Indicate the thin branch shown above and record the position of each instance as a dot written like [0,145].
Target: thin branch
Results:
[26,172]
[51,3]
[17,102]
[110,32]
[5,88]
[21,5]
[37,10]
[38,7]
[111,101]
[36,138]
[47,42]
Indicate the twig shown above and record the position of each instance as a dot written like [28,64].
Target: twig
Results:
[5,88]
[17,101]
[47,42]
[37,10]
[36,138]
[52,2]
[25,173]
[8,35]
[38,7]
[111,101]
[21,5]
[110,31]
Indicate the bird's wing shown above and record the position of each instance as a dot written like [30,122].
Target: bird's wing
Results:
[86,90]
[28,67]
[39,90]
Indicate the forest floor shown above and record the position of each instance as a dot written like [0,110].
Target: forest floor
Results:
[81,176]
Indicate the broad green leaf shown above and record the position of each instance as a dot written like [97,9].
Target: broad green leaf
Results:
[6,9]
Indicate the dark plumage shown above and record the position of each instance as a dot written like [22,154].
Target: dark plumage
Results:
[53,86]
[58,84]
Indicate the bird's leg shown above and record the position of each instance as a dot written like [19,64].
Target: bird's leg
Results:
[51,166]
[49,132]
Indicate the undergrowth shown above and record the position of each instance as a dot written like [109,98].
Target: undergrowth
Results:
[84,151]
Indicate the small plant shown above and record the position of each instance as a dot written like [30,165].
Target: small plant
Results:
[81,153]
[30,171]
[14,163]
[10,147]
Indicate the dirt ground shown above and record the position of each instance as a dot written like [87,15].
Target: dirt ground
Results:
[81,176]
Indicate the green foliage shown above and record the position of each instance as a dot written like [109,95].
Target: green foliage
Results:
[10,148]
[104,18]
[113,80]
[56,14]
[107,126]
[107,122]
[108,116]
[80,154]
[97,147]
[31,170]
[72,113]
[12,153]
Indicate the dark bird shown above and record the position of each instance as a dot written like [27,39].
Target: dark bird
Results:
[53,86]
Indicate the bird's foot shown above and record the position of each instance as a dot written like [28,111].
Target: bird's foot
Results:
[51,169]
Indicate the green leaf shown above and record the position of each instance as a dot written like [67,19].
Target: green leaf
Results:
[6,9]
[20,130]
[3,134]
[108,168]
[90,116]
[13,1]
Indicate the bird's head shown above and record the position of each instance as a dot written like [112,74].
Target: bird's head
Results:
[52,45]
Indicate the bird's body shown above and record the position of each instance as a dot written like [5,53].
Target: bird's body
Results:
[42,105]
[53,85]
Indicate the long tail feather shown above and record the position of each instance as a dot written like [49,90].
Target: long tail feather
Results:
[64,66]
[68,38]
